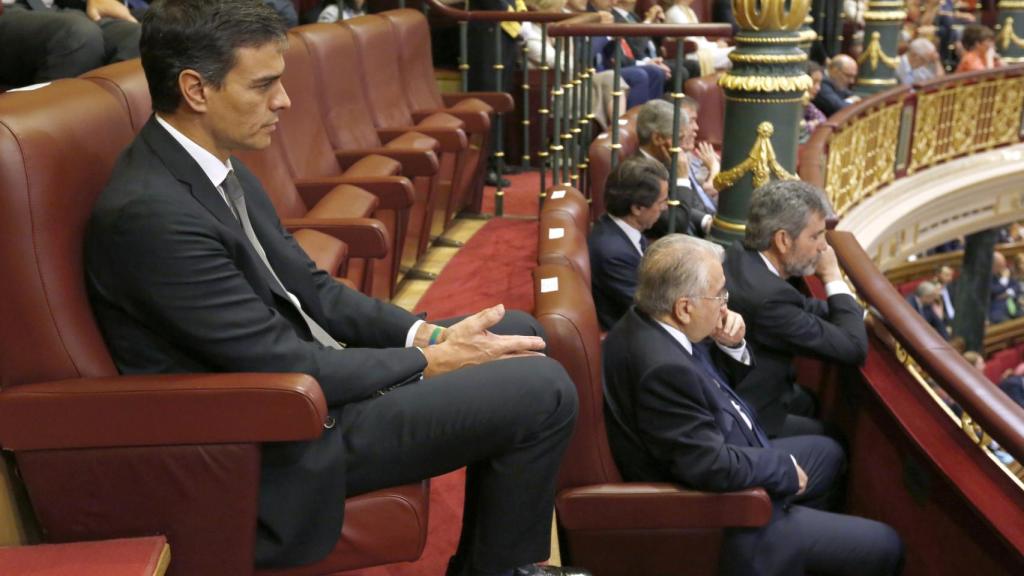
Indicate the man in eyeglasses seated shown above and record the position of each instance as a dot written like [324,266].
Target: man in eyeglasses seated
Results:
[672,416]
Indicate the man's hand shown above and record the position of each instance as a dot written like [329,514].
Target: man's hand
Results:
[470,342]
[654,14]
[828,266]
[97,9]
[606,17]
[664,67]
[730,330]
[801,478]
[706,152]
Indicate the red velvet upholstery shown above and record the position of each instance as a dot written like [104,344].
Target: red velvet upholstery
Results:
[608,525]
[127,82]
[1000,362]
[108,456]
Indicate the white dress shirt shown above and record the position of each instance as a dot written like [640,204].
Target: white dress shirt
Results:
[831,289]
[633,234]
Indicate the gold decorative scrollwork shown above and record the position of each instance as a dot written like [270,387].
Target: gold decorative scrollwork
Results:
[874,53]
[862,157]
[761,162]
[770,14]
[1007,36]
[799,83]
[974,431]
[901,353]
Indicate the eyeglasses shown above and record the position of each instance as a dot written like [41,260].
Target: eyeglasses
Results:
[723,300]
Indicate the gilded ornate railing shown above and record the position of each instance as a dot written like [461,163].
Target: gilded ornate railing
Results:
[868,145]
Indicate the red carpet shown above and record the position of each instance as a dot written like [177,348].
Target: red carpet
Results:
[494,266]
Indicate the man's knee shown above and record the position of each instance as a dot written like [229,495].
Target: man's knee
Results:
[523,324]
[77,41]
[550,388]
[120,40]
[887,547]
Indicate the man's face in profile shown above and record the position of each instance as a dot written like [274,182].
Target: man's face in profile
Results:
[805,249]
[242,113]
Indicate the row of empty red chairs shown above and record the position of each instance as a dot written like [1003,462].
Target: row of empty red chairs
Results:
[615,527]
[108,456]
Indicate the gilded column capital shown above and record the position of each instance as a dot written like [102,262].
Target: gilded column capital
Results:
[770,15]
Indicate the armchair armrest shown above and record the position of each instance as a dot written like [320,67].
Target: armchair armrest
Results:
[394,192]
[415,162]
[365,237]
[476,121]
[160,410]
[498,101]
[451,139]
[652,506]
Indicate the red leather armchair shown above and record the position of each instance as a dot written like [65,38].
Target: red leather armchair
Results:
[569,201]
[609,526]
[110,456]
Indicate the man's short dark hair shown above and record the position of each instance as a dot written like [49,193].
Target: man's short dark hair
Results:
[200,35]
[782,205]
[975,34]
[636,181]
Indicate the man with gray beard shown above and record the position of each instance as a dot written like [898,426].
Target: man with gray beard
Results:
[785,239]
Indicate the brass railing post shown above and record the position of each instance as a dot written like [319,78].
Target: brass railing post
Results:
[556,108]
[545,105]
[526,110]
[676,150]
[499,132]
[616,93]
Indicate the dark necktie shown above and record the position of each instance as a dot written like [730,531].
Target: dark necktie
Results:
[36,4]
[644,243]
[700,353]
[709,206]
[236,196]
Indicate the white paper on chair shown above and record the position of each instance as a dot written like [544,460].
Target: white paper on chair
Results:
[556,233]
[558,194]
[549,285]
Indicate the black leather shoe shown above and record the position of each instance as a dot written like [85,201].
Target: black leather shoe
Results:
[540,570]
[491,179]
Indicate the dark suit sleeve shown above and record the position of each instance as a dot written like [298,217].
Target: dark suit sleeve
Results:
[677,427]
[828,100]
[617,275]
[838,335]
[178,276]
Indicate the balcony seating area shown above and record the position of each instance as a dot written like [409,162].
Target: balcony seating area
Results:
[178,455]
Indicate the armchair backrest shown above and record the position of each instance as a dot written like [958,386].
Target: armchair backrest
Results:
[58,146]
[344,106]
[127,81]
[375,46]
[412,36]
[565,308]
[562,242]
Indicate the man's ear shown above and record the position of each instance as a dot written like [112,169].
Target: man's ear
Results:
[681,310]
[782,242]
[193,89]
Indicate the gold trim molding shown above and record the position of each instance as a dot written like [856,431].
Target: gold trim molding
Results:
[768,58]
[745,39]
[727,226]
[885,15]
[874,53]
[800,83]
[760,162]
[1011,5]
[764,100]
[877,81]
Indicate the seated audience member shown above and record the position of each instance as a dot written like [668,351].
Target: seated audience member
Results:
[45,40]
[925,301]
[642,67]
[1013,385]
[944,279]
[286,10]
[711,55]
[654,135]
[705,163]
[919,63]
[233,292]
[669,366]
[835,92]
[812,117]
[339,10]
[785,239]
[979,44]
[634,195]
[1003,293]
[602,83]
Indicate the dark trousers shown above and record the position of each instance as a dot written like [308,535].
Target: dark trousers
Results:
[509,421]
[802,538]
[645,83]
[60,43]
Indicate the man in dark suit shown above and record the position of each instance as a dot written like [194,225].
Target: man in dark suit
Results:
[43,40]
[835,93]
[1002,304]
[635,194]
[654,135]
[923,300]
[189,270]
[785,239]
[673,417]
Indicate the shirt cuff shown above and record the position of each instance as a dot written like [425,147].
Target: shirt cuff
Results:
[740,354]
[837,287]
[411,336]
[683,183]
[705,223]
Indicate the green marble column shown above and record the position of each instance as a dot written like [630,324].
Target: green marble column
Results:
[1010,31]
[882,23]
[763,94]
